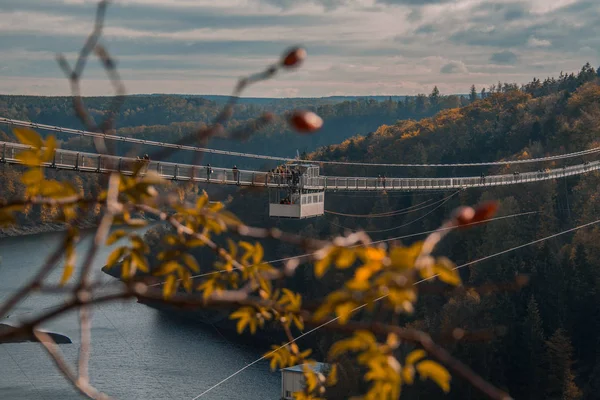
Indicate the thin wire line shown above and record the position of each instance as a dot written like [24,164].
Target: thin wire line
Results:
[443,201]
[384,296]
[10,122]
[363,194]
[386,214]
[373,242]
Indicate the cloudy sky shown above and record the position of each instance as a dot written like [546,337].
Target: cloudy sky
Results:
[355,47]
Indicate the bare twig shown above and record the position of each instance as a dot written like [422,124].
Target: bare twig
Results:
[83,292]
[74,76]
[83,386]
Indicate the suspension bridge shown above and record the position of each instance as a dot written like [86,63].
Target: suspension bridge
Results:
[302,182]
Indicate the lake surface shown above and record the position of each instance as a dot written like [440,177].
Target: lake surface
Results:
[137,352]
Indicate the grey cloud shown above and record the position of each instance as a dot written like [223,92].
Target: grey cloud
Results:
[413,2]
[425,29]
[327,4]
[163,19]
[454,67]
[129,47]
[415,15]
[567,28]
[492,12]
[511,15]
[495,37]
[504,57]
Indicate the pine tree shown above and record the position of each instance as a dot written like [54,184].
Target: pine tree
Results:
[473,95]
[593,386]
[532,373]
[561,380]
[584,316]
[434,98]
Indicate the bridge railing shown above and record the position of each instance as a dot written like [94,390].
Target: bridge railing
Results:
[73,160]
[373,183]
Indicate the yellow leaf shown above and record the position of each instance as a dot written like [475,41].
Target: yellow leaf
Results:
[32,177]
[404,257]
[345,258]
[116,235]
[312,381]
[67,273]
[258,253]
[29,158]
[363,273]
[53,189]
[167,268]
[298,322]
[170,286]
[321,266]
[332,378]
[29,137]
[408,374]
[415,356]
[435,372]
[216,206]
[140,261]
[374,254]
[446,272]
[229,218]
[344,311]
[50,148]
[187,280]
[115,256]
[247,246]
[202,200]
[139,244]
[232,248]
[245,316]
[392,340]
[191,262]
[126,268]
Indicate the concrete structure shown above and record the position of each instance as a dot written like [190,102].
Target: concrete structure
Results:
[292,379]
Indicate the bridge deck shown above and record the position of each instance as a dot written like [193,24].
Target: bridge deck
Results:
[89,162]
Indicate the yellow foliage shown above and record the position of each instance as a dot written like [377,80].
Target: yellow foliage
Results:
[435,372]
[246,316]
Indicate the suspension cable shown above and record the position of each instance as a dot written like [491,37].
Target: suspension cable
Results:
[384,296]
[106,136]
[522,214]
[442,202]
[385,214]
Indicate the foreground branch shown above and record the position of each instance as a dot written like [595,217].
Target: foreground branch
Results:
[82,386]
[425,341]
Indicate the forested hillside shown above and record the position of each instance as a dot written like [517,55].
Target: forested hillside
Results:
[169,118]
[540,341]
[550,345]
[545,341]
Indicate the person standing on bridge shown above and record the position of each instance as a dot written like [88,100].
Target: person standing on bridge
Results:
[209,171]
[236,174]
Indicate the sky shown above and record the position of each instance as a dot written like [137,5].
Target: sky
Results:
[355,47]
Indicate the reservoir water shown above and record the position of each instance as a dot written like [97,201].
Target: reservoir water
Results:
[137,352]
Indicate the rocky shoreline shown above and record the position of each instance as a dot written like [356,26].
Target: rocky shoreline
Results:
[23,230]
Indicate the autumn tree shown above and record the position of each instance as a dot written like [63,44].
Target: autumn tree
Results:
[372,275]
[561,381]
